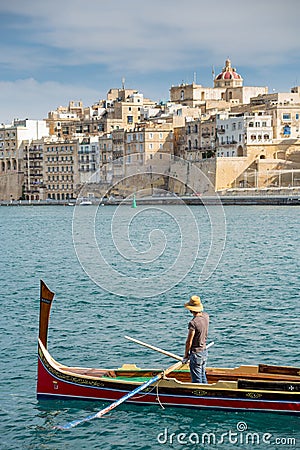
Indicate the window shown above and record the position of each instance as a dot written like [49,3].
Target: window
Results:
[150,135]
[264,124]
[297,116]
[286,116]
[234,126]
[129,119]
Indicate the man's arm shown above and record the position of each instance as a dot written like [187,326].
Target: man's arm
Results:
[188,343]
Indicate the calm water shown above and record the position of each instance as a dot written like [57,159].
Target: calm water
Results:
[252,298]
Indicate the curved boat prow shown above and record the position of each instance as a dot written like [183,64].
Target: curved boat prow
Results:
[46,297]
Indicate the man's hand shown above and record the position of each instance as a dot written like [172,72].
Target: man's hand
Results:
[184,360]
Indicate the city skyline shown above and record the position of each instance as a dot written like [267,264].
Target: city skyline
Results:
[55,52]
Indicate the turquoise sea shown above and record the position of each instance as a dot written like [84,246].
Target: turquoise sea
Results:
[252,297]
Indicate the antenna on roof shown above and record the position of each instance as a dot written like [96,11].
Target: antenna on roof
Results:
[123,83]
[195,77]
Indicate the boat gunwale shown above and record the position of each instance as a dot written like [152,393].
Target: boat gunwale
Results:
[167,382]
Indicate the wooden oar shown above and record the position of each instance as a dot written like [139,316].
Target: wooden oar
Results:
[123,399]
[157,349]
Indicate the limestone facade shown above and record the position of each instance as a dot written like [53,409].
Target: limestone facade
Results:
[61,174]
[12,143]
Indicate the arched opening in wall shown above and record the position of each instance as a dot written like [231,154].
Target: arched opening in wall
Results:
[26,197]
[262,157]
[8,165]
[189,144]
[32,197]
[240,151]
[279,155]
[37,197]
[229,95]
[58,197]
[62,196]
[2,166]
[14,164]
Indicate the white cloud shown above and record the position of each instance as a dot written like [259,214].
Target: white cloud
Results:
[30,99]
[160,35]
[143,41]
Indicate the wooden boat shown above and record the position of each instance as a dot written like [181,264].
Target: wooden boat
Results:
[253,388]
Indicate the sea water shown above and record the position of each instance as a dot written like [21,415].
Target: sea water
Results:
[250,290]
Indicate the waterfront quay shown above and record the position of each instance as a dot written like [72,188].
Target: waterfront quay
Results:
[230,197]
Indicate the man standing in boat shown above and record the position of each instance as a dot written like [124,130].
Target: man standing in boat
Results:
[195,346]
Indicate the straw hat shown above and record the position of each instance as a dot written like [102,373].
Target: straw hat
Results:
[194,304]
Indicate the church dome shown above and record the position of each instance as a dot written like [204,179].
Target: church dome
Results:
[228,74]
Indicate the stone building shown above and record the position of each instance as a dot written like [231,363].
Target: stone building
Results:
[88,159]
[236,131]
[228,90]
[61,175]
[11,154]
[34,187]
[284,107]
[147,139]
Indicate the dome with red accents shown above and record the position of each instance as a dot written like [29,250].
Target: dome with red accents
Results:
[228,76]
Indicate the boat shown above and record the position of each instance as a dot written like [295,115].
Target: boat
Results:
[85,203]
[264,388]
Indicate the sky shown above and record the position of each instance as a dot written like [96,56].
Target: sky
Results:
[55,51]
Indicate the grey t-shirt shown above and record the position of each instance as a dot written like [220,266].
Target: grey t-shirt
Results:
[200,325]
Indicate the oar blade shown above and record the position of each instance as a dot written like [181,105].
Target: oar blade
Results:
[123,399]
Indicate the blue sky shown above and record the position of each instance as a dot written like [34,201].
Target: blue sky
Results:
[56,51]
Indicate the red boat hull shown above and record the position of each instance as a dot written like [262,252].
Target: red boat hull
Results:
[51,386]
